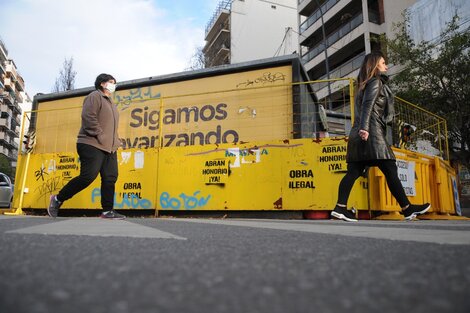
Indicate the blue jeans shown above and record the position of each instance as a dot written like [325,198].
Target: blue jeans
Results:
[93,161]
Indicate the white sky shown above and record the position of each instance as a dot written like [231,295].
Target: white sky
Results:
[129,39]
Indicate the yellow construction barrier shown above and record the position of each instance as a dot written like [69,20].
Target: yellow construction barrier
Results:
[444,206]
[415,171]
[244,139]
[298,174]
[425,178]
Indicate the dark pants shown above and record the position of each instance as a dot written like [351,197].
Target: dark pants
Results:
[390,170]
[92,162]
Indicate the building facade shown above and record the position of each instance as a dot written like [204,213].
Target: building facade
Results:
[11,96]
[428,18]
[349,29]
[246,30]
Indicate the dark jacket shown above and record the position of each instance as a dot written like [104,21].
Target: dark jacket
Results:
[100,121]
[373,107]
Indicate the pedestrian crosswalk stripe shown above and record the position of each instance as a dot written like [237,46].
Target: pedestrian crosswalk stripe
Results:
[96,227]
[364,229]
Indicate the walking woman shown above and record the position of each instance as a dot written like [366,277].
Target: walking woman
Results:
[367,145]
[97,143]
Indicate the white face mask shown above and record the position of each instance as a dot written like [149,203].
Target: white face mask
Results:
[110,87]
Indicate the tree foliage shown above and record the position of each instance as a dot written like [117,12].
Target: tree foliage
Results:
[66,79]
[5,166]
[435,75]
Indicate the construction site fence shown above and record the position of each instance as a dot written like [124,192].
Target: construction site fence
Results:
[222,151]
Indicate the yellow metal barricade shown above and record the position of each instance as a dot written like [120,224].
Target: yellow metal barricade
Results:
[416,173]
[220,150]
[444,206]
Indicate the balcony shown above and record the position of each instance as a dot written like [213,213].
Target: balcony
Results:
[305,7]
[315,16]
[333,38]
[9,84]
[217,51]
[4,107]
[18,120]
[19,97]
[219,17]
[9,143]
[348,69]
[10,69]
[345,70]
[5,122]
[20,84]
[4,136]
[4,150]
[8,98]
[221,57]
[16,108]
[222,37]
[14,123]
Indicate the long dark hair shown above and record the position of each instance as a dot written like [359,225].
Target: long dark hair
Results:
[369,69]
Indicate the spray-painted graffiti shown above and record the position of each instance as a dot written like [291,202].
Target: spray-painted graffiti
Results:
[130,201]
[49,186]
[266,78]
[137,94]
[245,156]
[40,173]
[184,201]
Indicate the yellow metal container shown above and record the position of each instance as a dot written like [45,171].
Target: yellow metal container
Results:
[298,174]
[225,139]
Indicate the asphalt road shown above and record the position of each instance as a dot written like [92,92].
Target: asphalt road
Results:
[232,265]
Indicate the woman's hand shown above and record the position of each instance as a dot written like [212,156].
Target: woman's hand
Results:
[364,134]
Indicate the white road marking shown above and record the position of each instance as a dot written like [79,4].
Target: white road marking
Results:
[439,236]
[96,227]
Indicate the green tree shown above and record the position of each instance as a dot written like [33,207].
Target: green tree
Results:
[5,166]
[435,75]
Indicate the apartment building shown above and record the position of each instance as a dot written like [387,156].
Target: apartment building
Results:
[246,30]
[428,18]
[348,28]
[11,96]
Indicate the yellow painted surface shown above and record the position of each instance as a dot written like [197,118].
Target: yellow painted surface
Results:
[48,173]
[297,174]
[424,182]
[443,187]
[301,174]
[247,106]
[273,175]
[227,145]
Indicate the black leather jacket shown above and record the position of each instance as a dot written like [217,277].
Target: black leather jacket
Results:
[369,115]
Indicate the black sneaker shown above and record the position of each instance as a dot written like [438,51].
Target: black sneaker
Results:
[112,215]
[414,210]
[344,214]
[54,206]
